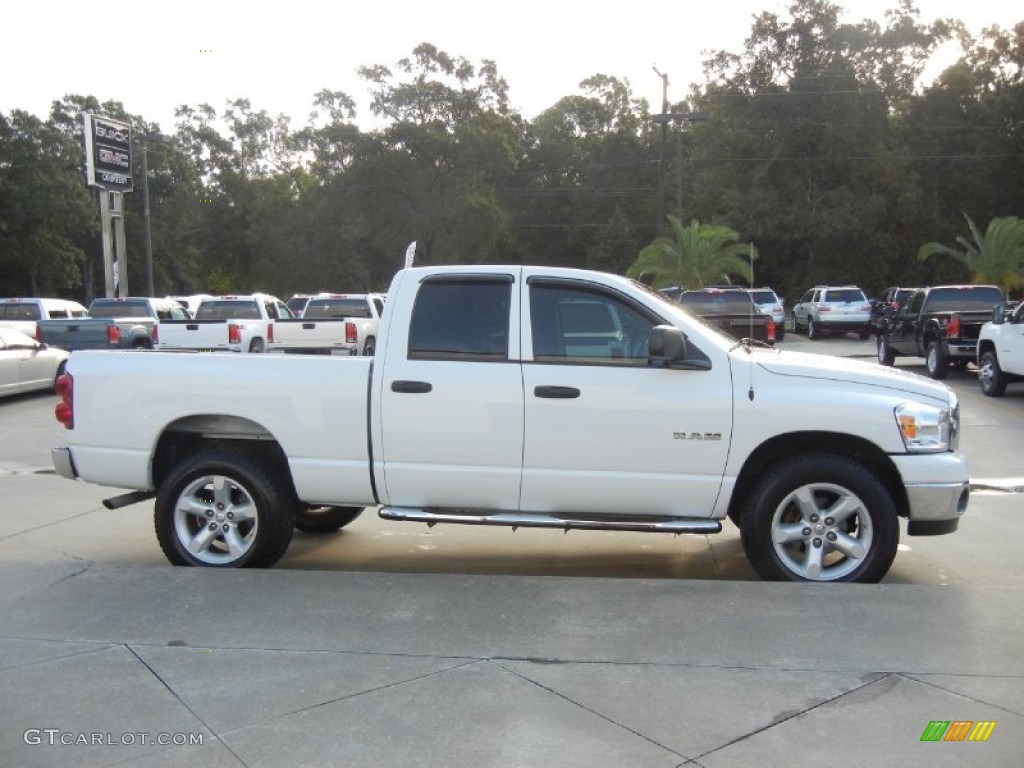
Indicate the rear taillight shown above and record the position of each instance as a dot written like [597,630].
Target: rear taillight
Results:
[39,336]
[953,327]
[769,329]
[154,335]
[351,334]
[113,335]
[63,411]
[270,333]
[234,333]
[824,308]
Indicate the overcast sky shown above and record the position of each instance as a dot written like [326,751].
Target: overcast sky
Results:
[154,56]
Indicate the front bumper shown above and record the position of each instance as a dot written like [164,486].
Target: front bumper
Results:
[938,489]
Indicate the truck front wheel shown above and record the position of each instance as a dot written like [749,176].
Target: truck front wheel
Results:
[820,517]
[935,361]
[325,519]
[224,509]
[991,377]
[885,354]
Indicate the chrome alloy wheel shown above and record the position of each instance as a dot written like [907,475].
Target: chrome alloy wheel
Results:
[821,531]
[216,519]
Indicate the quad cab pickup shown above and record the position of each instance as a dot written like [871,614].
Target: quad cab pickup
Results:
[940,324]
[122,323]
[333,323]
[733,310]
[1001,350]
[226,324]
[503,396]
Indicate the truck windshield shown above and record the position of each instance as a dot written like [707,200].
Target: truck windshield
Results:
[718,303]
[228,310]
[968,298]
[325,308]
[119,309]
[17,311]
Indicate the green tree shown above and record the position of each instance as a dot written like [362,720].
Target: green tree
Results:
[695,256]
[47,214]
[799,150]
[996,257]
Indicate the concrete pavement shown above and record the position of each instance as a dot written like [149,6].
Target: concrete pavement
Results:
[108,657]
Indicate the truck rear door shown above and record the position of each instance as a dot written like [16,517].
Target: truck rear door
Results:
[451,397]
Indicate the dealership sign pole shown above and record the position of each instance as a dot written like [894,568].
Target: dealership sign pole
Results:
[108,166]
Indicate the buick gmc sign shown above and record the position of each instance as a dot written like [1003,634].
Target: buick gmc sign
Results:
[108,153]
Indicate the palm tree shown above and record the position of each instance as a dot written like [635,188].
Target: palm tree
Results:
[695,256]
[996,258]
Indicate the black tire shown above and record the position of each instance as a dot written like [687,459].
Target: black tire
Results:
[786,540]
[251,505]
[991,377]
[864,333]
[935,361]
[370,347]
[325,519]
[256,346]
[796,325]
[885,354]
[813,331]
[780,331]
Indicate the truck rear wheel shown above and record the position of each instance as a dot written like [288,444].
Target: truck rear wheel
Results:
[224,509]
[370,347]
[820,517]
[325,519]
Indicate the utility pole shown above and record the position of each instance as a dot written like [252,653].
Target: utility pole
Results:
[664,118]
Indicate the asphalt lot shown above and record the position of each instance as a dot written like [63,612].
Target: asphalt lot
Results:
[392,644]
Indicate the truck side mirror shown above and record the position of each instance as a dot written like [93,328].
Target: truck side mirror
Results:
[666,345]
[999,314]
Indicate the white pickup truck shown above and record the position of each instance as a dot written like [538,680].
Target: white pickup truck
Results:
[520,396]
[21,314]
[225,323]
[333,323]
[1001,351]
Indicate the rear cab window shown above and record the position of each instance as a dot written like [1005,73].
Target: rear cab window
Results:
[461,318]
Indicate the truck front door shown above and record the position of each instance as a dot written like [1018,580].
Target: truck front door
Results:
[605,433]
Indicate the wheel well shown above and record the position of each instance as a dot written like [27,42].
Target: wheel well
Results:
[985,345]
[784,447]
[187,437]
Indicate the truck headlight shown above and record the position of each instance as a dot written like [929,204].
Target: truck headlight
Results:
[925,428]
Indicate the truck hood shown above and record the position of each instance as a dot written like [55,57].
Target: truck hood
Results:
[828,368]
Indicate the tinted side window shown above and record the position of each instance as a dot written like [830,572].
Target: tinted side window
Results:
[461,319]
[578,325]
[915,304]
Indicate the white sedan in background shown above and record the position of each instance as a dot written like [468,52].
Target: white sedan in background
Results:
[27,365]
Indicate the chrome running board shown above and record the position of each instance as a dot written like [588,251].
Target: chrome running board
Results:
[566,522]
